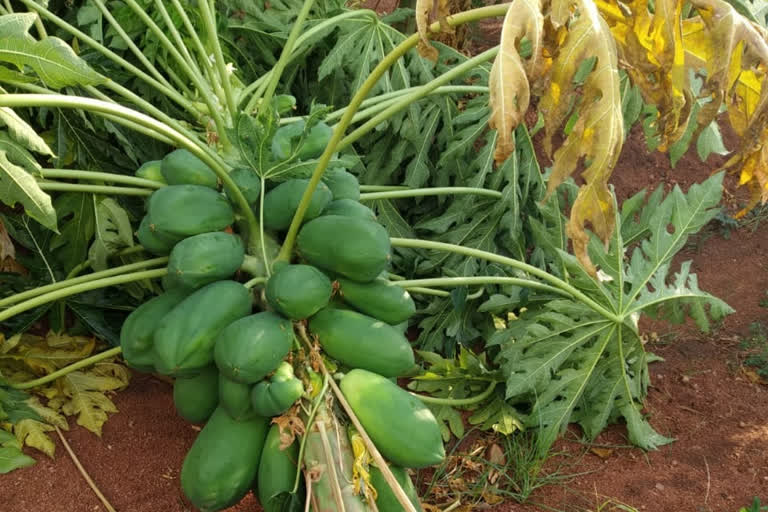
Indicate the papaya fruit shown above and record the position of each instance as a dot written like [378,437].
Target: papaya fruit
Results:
[385,497]
[151,171]
[195,398]
[184,343]
[281,203]
[403,429]
[343,184]
[349,208]
[154,240]
[277,471]
[220,467]
[298,291]
[275,396]
[235,398]
[380,299]
[136,334]
[285,142]
[248,349]
[204,258]
[360,341]
[186,210]
[181,167]
[248,182]
[355,248]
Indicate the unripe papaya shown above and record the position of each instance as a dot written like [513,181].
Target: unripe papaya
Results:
[298,291]
[235,398]
[196,397]
[204,258]
[186,210]
[403,429]
[277,470]
[154,240]
[275,396]
[380,299]
[248,182]
[349,208]
[184,343]
[151,171]
[181,167]
[281,203]
[343,185]
[385,497]
[355,248]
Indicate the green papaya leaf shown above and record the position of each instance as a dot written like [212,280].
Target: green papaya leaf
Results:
[18,186]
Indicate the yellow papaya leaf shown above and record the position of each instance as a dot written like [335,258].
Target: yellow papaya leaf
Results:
[597,135]
[651,46]
[35,435]
[42,356]
[508,82]
[362,459]
[423,11]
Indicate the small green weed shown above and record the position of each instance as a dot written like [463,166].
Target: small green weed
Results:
[756,346]
[755,506]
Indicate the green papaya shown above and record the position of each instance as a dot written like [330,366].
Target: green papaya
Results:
[277,471]
[195,398]
[298,291]
[380,299]
[235,398]
[204,258]
[184,343]
[278,394]
[248,349]
[187,210]
[360,341]
[151,171]
[136,335]
[181,167]
[403,429]
[349,208]
[248,182]
[385,497]
[220,467]
[153,240]
[287,138]
[355,248]
[343,184]
[281,203]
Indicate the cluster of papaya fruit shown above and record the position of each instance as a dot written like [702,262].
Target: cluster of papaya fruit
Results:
[232,351]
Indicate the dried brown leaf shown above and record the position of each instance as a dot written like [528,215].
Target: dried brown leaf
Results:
[423,12]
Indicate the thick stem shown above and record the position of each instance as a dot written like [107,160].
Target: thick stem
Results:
[354,104]
[458,402]
[213,40]
[42,290]
[435,191]
[479,280]
[278,69]
[102,107]
[80,288]
[413,243]
[74,174]
[93,189]
[68,369]
[420,92]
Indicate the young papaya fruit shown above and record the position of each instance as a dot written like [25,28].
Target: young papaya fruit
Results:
[195,398]
[153,240]
[204,258]
[355,248]
[186,210]
[285,142]
[136,335]
[298,291]
[277,471]
[235,398]
[380,299]
[343,184]
[151,171]
[349,208]
[275,396]
[385,497]
[181,167]
[220,467]
[248,349]
[403,429]
[184,343]
[248,182]
[281,203]
[360,341]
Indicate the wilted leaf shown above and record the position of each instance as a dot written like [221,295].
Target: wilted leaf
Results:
[18,186]
[46,355]
[508,83]
[34,434]
[423,12]
[597,135]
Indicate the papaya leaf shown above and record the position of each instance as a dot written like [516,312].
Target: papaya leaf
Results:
[18,186]
[20,131]
[52,59]
[18,154]
[78,225]
[113,231]
[11,457]
[498,416]
[17,24]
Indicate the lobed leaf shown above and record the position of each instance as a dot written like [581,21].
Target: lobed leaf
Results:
[18,186]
